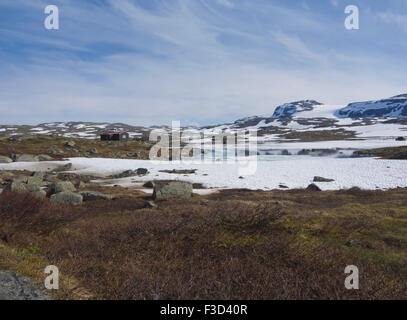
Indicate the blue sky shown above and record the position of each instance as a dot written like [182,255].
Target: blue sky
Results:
[198,61]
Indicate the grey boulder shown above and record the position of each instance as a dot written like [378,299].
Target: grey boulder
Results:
[70,144]
[55,150]
[15,186]
[26,158]
[4,159]
[45,157]
[313,187]
[65,167]
[62,186]
[66,198]
[174,189]
[92,196]
[149,184]
[321,179]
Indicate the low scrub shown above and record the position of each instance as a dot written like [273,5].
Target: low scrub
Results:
[231,245]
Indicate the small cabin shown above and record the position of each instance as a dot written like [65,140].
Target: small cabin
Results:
[114,136]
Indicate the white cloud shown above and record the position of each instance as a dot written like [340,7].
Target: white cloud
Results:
[185,63]
[226,3]
[394,18]
[334,3]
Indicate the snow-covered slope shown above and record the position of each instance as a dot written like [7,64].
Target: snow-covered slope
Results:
[366,173]
[394,107]
[309,120]
[306,120]
[289,109]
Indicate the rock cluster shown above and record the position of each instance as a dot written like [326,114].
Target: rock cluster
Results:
[60,192]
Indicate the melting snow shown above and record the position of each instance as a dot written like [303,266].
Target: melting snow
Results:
[294,172]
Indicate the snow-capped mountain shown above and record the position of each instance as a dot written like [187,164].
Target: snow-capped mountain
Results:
[309,120]
[301,120]
[289,109]
[394,107]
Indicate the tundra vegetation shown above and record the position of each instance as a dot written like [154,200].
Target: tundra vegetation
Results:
[235,244]
[53,147]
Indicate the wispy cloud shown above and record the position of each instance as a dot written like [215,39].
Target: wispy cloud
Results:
[202,61]
[226,3]
[394,18]
[335,3]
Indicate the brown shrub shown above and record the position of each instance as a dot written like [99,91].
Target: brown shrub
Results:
[242,246]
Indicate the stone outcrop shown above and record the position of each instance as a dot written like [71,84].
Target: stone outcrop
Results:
[4,159]
[174,189]
[62,186]
[66,198]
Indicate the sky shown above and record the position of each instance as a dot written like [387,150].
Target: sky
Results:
[201,62]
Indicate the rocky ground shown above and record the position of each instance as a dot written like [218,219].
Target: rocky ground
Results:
[15,287]
[123,243]
[31,148]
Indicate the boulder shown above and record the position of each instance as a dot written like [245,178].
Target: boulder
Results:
[65,167]
[36,191]
[4,159]
[149,184]
[313,187]
[92,151]
[321,179]
[38,181]
[36,178]
[26,158]
[81,185]
[124,174]
[303,152]
[134,155]
[174,189]
[62,186]
[38,175]
[183,171]
[16,186]
[401,139]
[285,153]
[92,196]
[66,198]
[142,172]
[55,150]
[70,144]
[45,157]
[20,179]
[131,173]
[51,178]
[22,187]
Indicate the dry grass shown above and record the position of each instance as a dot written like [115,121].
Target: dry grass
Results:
[231,245]
[40,145]
[323,135]
[398,153]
